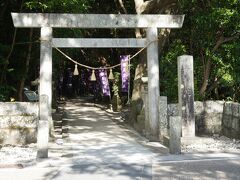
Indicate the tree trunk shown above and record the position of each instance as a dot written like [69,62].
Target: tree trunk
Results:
[22,81]
[3,9]
[207,68]
[139,72]
[122,6]
[142,7]
[3,75]
[205,78]
[147,7]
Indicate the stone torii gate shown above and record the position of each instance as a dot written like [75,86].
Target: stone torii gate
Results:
[49,21]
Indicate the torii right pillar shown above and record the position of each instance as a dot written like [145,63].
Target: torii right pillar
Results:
[153,84]
[186,95]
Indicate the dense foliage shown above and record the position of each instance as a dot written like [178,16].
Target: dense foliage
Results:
[210,33]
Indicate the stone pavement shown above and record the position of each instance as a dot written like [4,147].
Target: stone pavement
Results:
[95,145]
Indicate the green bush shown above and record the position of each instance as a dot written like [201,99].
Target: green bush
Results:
[5,92]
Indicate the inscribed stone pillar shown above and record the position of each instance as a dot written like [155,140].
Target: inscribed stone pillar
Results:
[46,64]
[43,127]
[186,95]
[163,120]
[153,82]
[175,134]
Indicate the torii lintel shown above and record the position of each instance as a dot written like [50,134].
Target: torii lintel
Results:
[96,20]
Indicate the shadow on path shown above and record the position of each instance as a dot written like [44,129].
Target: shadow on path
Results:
[95,145]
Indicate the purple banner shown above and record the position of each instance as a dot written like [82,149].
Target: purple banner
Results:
[104,82]
[124,72]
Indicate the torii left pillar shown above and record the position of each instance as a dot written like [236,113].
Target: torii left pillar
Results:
[45,91]
[46,63]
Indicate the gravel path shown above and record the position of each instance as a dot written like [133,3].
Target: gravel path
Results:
[25,154]
[215,143]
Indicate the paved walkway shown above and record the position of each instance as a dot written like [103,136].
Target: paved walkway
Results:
[96,146]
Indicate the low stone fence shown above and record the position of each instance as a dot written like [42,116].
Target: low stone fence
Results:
[231,120]
[214,117]
[18,122]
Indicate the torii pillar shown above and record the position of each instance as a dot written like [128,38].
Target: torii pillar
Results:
[153,84]
[46,63]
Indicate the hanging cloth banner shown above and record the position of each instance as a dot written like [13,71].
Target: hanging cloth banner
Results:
[124,59]
[104,82]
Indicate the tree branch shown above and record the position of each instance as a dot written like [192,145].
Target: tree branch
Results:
[3,9]
[223,40]
[11,50]
[138,6]
[158,6]
[122,6]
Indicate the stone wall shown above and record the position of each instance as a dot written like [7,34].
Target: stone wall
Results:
[208,116]
[18,122]
[231,120]
[214,117]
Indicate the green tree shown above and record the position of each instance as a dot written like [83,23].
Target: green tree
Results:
[19,61]
[211,35]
